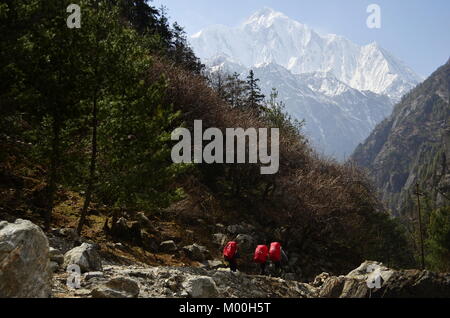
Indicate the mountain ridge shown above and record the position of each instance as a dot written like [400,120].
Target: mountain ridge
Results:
[271,36]
[341,90]
[412,145]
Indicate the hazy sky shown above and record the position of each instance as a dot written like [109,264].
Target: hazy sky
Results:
[415,31]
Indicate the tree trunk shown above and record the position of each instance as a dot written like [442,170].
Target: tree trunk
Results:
[53,171]
[92,168]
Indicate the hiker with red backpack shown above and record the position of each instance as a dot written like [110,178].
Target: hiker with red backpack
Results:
[260,257]
[230,254]
[277,255]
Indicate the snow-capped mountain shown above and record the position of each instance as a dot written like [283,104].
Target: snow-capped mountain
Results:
[342,89]
[337,116]
[270,36]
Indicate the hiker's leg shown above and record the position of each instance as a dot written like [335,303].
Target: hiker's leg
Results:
[233,265]
[278,268]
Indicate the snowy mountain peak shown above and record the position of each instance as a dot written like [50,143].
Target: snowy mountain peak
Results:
[269,36]
[340,88]
[265,17]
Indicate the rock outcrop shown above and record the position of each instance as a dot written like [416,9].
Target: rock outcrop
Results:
[201,287]
[185,282]
[374,280]
[370,280]
[117,287]
[86,256]
[24,261]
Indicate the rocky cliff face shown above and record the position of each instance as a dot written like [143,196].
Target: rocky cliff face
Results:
[412,145]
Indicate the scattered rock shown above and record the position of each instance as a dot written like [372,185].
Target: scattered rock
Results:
[70,234]
[56,256]
[168,246]
[54,267]
[145,223]
[85,256]
[197,252]
[24,261]
[201,287]
[117,287]
[242,228]
[214,281]
[82,292]
[320,279]
[89,275]
[220,239]
[214,264]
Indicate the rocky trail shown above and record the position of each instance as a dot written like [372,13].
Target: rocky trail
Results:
[29,267]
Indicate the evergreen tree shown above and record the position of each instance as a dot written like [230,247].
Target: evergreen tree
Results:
[438,242]
[235,90]
[254,95]
[275,113]
[48,71]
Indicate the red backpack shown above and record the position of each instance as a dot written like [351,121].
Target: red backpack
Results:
[275,252]
[230,250]
[261,254]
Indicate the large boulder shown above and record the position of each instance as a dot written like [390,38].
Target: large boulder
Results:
[24,261]
[415,284]
[361,282]
[372,279]
[86,256]
[117,287]
[201,287]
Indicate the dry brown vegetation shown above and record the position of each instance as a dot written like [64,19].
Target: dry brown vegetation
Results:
[326,212]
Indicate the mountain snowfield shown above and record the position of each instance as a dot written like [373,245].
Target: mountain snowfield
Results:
[341,89]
